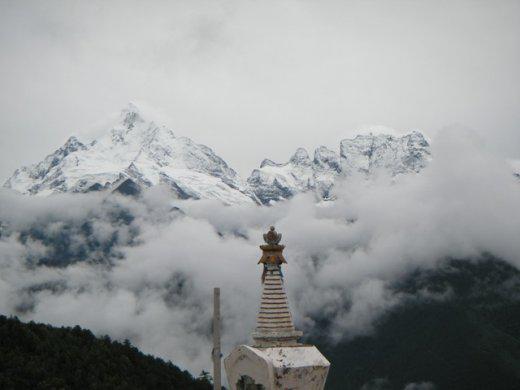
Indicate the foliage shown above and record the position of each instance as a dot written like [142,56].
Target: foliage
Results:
[38,356]
[470,339]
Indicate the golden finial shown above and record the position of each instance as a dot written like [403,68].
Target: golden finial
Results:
[272,250]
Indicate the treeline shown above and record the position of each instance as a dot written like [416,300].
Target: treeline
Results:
[38,356]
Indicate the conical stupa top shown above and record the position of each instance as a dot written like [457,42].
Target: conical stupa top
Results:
[274,321]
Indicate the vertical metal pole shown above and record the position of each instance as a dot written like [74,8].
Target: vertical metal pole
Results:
[216,340]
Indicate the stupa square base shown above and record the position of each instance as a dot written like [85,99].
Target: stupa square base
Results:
[288,367]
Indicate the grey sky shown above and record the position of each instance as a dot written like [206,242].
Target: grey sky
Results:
[258,79]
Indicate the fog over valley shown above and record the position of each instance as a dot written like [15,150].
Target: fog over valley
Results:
[143,268]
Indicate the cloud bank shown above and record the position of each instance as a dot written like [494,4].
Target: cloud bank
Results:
[144,269]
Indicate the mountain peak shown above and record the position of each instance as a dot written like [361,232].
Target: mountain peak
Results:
[137,149]
[72,144]
[131,106]
[300,157]
[131,115]
[375,150]
[377,130]
[325,158]
[268,163]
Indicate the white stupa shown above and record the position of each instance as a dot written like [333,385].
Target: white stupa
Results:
[275,360]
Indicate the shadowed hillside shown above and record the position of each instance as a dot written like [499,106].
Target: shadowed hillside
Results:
[470,339]
[37,356]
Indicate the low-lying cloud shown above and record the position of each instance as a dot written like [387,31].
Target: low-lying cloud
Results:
[144,269]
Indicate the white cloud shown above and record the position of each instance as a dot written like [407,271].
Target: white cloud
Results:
[149,278]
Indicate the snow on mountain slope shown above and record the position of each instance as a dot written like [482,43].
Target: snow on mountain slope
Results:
[369,153]
[135,153]
[273,182]
[366,154]
[134,149]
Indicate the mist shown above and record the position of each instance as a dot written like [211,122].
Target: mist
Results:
[144,269]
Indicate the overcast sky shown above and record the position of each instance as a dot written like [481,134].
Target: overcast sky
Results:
[258,79]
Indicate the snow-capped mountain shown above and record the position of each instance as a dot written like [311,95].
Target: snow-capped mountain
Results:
[136,151]
[363,154]
[273,182]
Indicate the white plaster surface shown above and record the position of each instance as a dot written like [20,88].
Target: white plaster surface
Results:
[298,367]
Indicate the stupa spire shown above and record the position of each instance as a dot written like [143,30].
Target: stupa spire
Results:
[275,360]
[275,326]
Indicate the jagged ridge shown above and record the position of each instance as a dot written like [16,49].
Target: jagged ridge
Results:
[363,154]
[135,153]
[138,150]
